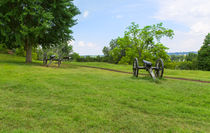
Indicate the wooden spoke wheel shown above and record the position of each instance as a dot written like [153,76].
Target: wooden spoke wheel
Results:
[159,68]
[135,67]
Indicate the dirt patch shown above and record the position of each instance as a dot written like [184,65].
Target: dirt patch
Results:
[167,77]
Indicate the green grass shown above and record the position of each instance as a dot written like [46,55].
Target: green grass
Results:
[34,98]
[191,74]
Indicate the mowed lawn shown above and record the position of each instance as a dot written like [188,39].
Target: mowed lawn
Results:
[34,98]
[190,74]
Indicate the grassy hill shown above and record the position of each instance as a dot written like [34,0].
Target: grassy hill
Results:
[34,98]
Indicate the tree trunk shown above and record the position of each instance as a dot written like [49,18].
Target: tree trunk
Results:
[28,48]
[45,58]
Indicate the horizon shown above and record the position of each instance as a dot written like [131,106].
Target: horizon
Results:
[101,21]
[170,53]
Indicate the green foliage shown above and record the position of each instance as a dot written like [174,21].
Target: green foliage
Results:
[177,58]
[106,51]
[204,55]
[20,51]
[172,65]
[186,65]
[34,56]
[34,23]
[40,53]
[88,58]
[183,62]
[108,55]
[60,51]
[142,43]
[191,57]
[75,56]
[63,50]
[3,48]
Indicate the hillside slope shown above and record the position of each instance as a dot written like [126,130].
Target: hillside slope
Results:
[35,98]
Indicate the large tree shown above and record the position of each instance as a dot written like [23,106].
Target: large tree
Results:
[204,55]
[36,22]
[143,43]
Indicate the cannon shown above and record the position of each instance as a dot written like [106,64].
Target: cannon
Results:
[155,72]
[51,59]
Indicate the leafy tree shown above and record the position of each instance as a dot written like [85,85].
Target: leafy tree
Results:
[147,37]
[191,57]
[75,56]
[63,50]
[142,43]
[31,23]
[108,51]
[204,55]
[159,51]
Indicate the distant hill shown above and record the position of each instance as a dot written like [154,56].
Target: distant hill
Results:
[92,55]
[182,53]
[172,53]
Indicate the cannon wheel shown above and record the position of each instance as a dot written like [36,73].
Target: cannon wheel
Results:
[135,67]
[159,68]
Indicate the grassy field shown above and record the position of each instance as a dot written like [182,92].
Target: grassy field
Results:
[191,74]
[34,98]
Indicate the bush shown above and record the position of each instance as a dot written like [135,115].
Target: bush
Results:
[172,65]
[20,51]
[186,65]
[34,56]
[78,58]
[3,49]
[75,56]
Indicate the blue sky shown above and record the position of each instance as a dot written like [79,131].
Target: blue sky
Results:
[103,20]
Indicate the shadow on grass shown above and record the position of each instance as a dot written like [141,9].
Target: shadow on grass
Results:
[37,63]
[67,66]
[148,78]
[21,63]
[62,66]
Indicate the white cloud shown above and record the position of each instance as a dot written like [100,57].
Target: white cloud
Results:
[194,14]
[200,27]
[81,43]
[184,41]
[85,14]
[90,44]
[119,16]
[87,48]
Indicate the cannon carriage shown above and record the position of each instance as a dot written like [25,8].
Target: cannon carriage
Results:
[53,58]
[155,72]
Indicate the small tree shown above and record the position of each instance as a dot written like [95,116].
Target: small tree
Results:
[204,55]
[108,55]
[191,57]
[75,56]
[64,50]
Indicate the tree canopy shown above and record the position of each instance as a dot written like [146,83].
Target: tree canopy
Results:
[142,43]
[204,55]
[31,23]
